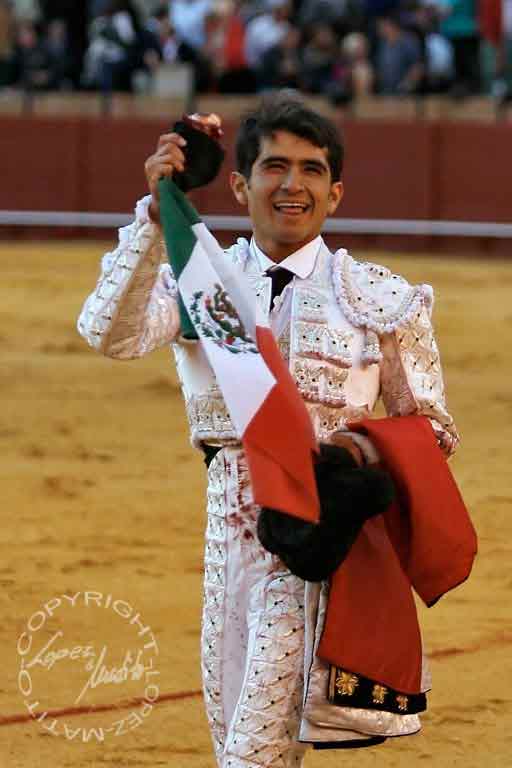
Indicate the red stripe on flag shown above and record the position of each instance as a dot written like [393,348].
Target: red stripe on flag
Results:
[279,443]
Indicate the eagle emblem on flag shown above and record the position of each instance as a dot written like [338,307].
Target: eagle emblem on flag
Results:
[220,322]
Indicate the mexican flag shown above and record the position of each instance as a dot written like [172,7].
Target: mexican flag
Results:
[260,394]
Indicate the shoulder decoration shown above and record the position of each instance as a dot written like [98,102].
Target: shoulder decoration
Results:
[375,299]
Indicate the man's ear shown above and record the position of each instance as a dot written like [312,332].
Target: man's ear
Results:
[335,197]
[238,184]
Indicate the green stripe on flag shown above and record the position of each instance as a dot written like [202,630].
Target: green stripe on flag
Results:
[178,216]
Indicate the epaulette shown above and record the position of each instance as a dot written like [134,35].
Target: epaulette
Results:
[375,299]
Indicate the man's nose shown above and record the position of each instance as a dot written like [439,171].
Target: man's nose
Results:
[292,181]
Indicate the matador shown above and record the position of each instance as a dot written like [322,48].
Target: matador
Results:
[350,333]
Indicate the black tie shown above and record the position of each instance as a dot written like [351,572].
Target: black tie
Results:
[280,277]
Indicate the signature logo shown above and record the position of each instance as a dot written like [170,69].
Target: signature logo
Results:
[57,677]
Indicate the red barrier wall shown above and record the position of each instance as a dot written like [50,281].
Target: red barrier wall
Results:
[388,170]
[403,170]
[475,167]
[40,162]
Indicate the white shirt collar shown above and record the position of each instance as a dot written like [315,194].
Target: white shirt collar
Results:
[301,262]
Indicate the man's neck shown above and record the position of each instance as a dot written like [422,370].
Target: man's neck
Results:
[301,261]
[278,252]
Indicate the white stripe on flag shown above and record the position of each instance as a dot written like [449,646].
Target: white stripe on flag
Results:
[244,387]
[234,280]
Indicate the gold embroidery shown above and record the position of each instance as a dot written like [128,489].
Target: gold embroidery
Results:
[209,417]
[284,344]
[332,683]
[403,703]
[310,304]
[307,377]
[346,683]
[318,341]
[336,347]
[418,345]
[379,693]
[309,339]
[319,382]
[327,419]
[332,386]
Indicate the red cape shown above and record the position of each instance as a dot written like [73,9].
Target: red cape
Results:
[424,540]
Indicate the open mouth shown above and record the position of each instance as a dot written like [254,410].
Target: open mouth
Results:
[291,209]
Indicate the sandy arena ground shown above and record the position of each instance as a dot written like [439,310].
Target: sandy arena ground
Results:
[102,492]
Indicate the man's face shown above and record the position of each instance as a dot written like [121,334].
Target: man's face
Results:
[289,193]
[388,30]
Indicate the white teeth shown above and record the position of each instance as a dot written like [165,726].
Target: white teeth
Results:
[291,205]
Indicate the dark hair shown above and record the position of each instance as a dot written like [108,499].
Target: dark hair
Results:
[286,112]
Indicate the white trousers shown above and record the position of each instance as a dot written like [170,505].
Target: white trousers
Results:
[252,640]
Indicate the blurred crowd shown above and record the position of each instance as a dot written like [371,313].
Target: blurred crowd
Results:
[341,49]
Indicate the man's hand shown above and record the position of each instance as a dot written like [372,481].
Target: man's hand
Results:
[343,441]
[168,158]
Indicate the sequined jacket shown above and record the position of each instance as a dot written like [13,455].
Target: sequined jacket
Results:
[355,332]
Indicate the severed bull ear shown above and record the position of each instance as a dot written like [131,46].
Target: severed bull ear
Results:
[203,152]
[349,496]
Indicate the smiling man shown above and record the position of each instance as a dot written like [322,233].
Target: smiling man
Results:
[349,332]
[290,187]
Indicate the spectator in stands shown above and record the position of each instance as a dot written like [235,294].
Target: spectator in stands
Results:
[58,50]
[7,44]
[355,69]
[281,65]
[28,10]
[224,48]
[266,31]
[373,10]
[236,76]
[188,18]
[399,64]
[75,17]
[376,9]
[117,49]
[329,11]
[213,50]
[32,65]
[460,25]
[496,26]
[160,27]
[249,9]
[437,50]
[97,8]
[239,46]
[344,16]
[319,59]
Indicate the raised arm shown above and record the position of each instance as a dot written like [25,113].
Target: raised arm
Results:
[133,309]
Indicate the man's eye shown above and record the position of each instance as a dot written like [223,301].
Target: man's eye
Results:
[275,166]
[313,169]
